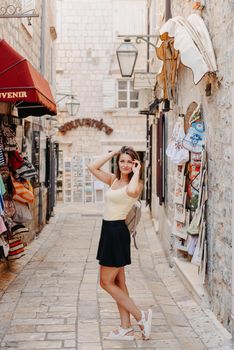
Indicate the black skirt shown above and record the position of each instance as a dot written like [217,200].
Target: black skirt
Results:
[114,244]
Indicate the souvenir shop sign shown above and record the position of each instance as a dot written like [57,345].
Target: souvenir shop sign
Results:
[23,85]
[91,123]
[13,94]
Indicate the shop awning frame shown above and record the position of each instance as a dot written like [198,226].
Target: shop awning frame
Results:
[22,85]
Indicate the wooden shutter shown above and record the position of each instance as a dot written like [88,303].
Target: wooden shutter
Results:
[149,171]
[109,87]
[122,9]
[160,157]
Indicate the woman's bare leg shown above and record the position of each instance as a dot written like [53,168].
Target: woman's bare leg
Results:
[107,282]
[124,314]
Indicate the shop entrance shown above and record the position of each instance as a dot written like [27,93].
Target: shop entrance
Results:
[78,185]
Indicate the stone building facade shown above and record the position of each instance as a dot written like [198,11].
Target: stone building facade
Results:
[217,112]
[87,68]
[34,40]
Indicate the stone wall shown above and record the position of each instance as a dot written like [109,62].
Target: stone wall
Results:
[218,120]
[85,58]
[23,38]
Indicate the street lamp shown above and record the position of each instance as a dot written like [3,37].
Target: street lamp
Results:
[127,53]
[127,56]
[72,104]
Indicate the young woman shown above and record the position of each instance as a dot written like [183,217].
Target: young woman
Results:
[114,245]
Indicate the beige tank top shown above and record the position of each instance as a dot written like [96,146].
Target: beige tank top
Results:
[117,204]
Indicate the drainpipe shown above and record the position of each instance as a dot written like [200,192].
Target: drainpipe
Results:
[147,114]
[167,10]
[232,315]
[42,71]
[148,33]
[42,49]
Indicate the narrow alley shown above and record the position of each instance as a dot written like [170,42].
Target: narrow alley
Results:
[51,298]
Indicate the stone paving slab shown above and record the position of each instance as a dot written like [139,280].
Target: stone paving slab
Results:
[51,298]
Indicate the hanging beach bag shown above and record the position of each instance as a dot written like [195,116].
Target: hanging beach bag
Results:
[2,225]
[9,139]
[19,229]
[4,172]
[15,160]
[27,170]
[16,248]
[22,213]
[4,248]
[132,220]
[194,141]
[9,208]
[23,191]
[175,150]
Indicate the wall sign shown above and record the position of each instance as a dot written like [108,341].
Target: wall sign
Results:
[13,94]
[91,123]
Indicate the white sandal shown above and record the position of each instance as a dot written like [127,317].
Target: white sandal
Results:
[146,323]
[122,334]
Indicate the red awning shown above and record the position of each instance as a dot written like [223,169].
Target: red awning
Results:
[23,85]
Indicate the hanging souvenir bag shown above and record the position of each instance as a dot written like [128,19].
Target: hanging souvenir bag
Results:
[4,248]
[4,172]
[175,149]
[9,139]
[194,141]
[132,220]
[9,208]
[2,159]
[27,170]
[22,213]
[19,229]
[16,247]
[23,191]
[195,224]
[15,160]
[198,253]
[193,187]
[2,225]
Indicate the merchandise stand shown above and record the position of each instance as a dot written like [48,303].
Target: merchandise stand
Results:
[16,192]
[188,151]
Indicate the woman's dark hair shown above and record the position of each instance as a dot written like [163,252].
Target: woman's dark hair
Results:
[132,153]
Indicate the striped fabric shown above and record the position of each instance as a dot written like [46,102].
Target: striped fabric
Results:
[16,248]
[23,191]
[2,160]
[27,171]
[19,229]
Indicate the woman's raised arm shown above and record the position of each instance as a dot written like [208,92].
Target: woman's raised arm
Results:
[95,168]
[135,185]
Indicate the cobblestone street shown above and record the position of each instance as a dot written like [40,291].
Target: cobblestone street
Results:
[51,299]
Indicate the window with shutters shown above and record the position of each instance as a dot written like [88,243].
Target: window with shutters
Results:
[109,89]
[127,96]
[121,21]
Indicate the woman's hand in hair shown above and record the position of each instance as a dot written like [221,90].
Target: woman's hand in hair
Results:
[135,185]
[136,166]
